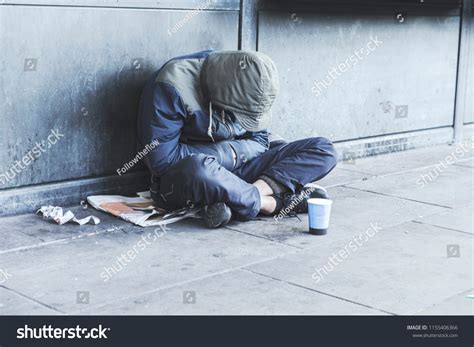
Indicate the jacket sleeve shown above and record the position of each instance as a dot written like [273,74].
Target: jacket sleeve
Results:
[161,118]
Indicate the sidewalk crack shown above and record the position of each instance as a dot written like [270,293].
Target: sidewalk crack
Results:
[32,299]
[53,242]
[184,282]
[398,197]
[320,292]
[440,227]
[263,237]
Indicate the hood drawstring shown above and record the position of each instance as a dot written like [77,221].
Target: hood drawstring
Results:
[209,129]
[223,116]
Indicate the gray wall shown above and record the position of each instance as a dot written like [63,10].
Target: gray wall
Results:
[470,100]
[414,66]
[88,68]
[78,66]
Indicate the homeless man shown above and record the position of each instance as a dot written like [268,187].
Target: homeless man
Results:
[209,111]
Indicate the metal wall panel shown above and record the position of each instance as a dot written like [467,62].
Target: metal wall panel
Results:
[163,4]
[80,71]
[469,118]
[405,84]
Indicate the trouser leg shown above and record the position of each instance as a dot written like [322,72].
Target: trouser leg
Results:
[293,164]
[201,180]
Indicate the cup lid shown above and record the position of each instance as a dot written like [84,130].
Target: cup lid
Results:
[319,201]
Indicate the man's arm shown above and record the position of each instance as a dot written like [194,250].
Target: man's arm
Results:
[250,146]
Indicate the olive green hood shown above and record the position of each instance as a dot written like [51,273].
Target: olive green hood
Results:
[243,82]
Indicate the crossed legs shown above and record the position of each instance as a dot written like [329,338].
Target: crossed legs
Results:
[201,180]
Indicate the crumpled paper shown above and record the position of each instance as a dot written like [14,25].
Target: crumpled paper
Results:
[56,214]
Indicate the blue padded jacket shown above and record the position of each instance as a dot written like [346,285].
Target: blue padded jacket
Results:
[175,112]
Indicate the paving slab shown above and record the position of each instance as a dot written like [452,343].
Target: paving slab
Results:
[234,293]
[33,230]
[450,187]
[387,164]
[459,304]
[12,239]
[14,304]
[466,163]
[352,212]
[402,270]
[460,219]
[338,177]
[53,274]
[264,266]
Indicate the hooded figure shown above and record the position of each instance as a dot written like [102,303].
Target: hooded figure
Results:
[244,83]
[208,97]
[209,113]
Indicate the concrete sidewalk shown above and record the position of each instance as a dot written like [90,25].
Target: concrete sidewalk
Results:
[400,242]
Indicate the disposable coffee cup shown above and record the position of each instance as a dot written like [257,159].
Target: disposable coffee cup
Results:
[319,211]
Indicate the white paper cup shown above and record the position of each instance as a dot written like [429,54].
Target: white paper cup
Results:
[319,211]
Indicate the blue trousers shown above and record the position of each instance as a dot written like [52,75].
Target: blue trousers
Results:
[199,180]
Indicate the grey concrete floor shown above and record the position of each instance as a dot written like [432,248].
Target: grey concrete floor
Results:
[419,260]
